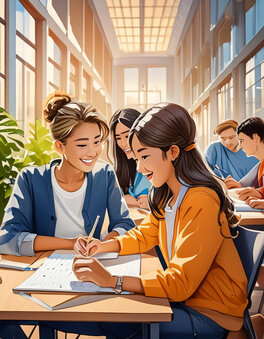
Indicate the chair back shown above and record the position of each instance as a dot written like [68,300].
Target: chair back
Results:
[250,247]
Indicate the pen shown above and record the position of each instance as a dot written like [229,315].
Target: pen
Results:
[219,169]
[88,239]
[29,269]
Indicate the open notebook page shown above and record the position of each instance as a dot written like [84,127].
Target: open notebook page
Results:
[56,275]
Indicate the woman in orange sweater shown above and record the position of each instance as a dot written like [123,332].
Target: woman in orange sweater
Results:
[190,219]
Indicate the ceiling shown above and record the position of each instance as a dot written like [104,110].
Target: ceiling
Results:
[142,27]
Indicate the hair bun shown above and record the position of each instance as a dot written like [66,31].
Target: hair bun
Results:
[53,103]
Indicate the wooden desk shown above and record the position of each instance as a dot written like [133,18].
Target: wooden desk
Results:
[112,308]
[251,218]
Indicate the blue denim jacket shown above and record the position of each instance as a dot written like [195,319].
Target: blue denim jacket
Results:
[31,212]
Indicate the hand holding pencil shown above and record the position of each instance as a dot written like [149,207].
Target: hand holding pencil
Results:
[82,242]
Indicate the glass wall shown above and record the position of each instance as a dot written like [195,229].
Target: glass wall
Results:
[217,9]
[225,96]
[224,45]
[156,91]
[54,64]
[144,86]
[86,88]
[254,17]
[131,87]
[2,53]
[254,85]
[25,65]
[74,77]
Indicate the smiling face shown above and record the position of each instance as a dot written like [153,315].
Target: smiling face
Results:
[229,139]
[121,137]
[152,163]
[83,147]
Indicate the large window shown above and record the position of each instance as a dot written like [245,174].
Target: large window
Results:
[54,63]
[255,85]
[2,53]
[225,96]
[196,36]
[217,10]
[206,68]
[156,91]
[224,45]
[25,65]
[195,83]
[74,77]
[205,19]
[144,86]
[131,87]
[86,87]
[254,17]
[187,53]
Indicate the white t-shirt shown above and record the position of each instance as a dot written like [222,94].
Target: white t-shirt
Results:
[170,214]
[68,208]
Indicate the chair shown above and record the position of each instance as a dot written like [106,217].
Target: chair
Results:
[250,246]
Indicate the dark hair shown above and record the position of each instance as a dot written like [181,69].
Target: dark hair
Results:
[169,124]
[125,168]
[65,115]
[252,126]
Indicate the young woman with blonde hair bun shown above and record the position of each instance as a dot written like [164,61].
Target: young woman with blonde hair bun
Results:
[54,204]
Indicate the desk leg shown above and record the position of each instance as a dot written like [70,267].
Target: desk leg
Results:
[46,332]
[145,331]
[154,331]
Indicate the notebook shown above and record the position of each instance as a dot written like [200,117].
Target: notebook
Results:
[56,275]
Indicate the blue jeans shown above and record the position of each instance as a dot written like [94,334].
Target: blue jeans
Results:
[187,323]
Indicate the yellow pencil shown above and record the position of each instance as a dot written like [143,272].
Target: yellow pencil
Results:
[93,229]
[88,239]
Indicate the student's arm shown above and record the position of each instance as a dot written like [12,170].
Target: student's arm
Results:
[44,243]
[119,219]
[16,233]
[131,201]
[256,203]
[261,191]
[231,182]
[138,240]
[248,193]
[110,235]
[90,269]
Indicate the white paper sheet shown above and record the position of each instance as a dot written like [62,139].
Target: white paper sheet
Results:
[56,274]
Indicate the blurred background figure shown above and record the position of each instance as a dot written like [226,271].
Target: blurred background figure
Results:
[134,185]
[225,157]
[251,136]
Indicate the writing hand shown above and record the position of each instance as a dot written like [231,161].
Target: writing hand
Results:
[80,246]
[248,192]
[90,269]
[231,182]
[94,247]
[256,203]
